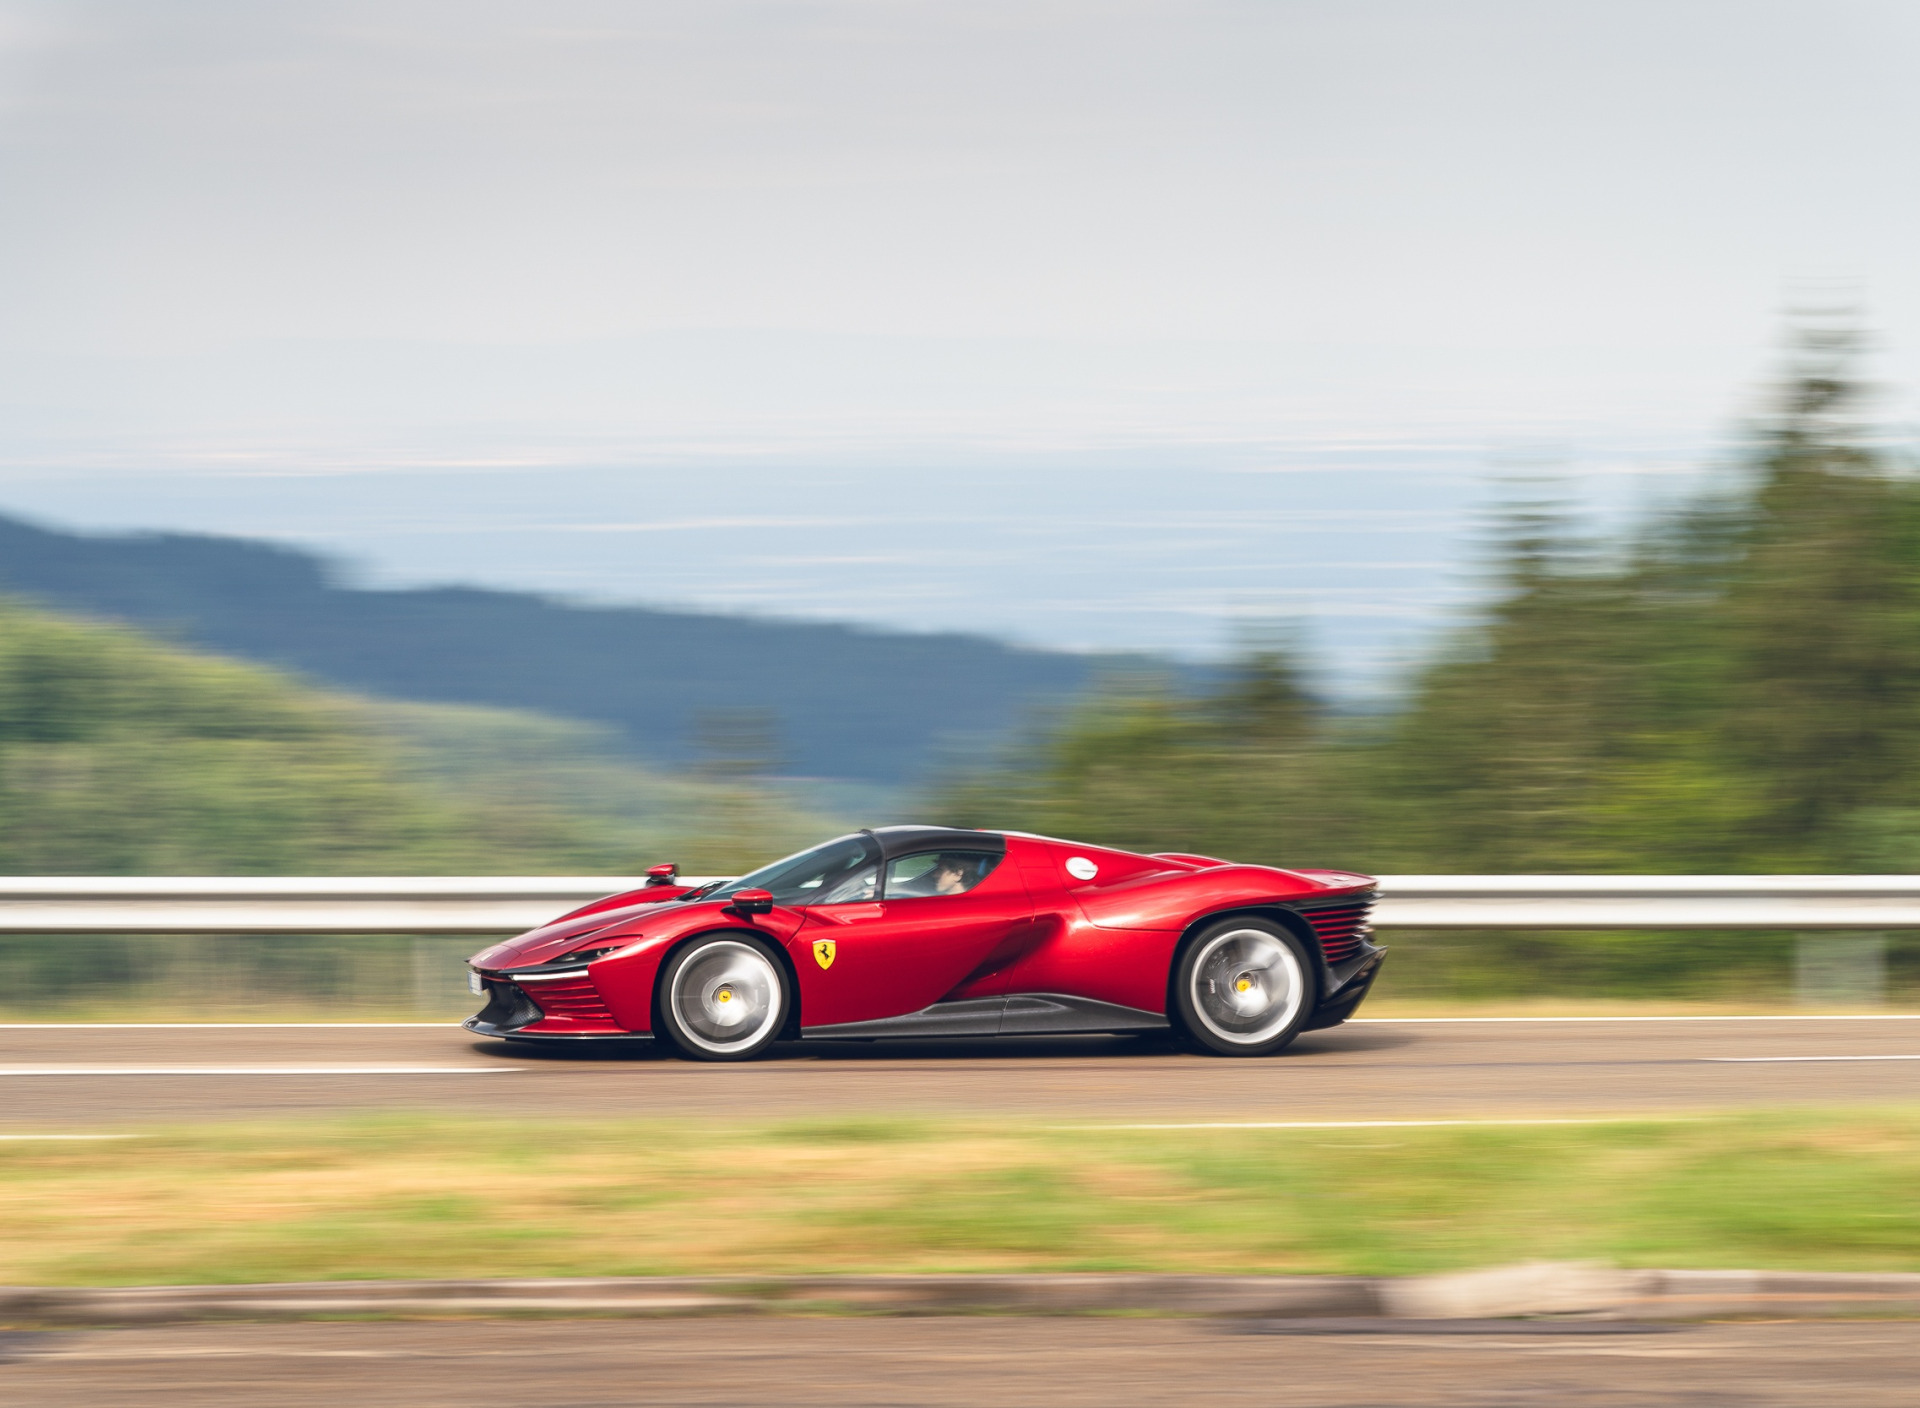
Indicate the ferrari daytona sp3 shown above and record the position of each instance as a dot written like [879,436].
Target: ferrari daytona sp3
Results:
[928,931]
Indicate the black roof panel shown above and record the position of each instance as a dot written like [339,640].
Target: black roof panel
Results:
[905,840]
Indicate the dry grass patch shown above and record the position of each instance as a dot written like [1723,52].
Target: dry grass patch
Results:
[432,1197]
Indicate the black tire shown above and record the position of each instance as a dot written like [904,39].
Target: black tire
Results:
[1244,987]
[699,985]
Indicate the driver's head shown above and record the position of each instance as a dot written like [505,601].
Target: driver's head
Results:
[951,874]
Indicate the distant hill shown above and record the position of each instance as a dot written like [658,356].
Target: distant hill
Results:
[119,755]
[845,702]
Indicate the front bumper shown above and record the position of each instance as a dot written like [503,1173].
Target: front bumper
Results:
[512,1011]
[508,1009]
[480,1028]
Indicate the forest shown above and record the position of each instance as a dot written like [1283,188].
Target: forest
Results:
[1732,686]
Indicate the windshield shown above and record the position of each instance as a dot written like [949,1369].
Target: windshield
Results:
[824,875]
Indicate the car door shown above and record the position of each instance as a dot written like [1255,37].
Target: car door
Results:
[912,947]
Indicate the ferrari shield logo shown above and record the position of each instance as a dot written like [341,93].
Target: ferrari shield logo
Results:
[823,952]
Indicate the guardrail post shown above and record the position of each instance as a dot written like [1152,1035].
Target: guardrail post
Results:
[426,996]
[1840,970]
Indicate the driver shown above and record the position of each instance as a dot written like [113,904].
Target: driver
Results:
[950,874]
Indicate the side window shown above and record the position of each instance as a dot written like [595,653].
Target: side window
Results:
[834,873]
[853,888]
[932,873]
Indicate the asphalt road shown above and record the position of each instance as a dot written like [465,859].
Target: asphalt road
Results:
[878,1363]
[99,1079]
[55,1078]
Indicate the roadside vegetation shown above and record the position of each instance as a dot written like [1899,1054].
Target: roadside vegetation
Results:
[413,1196]
[1731,687]
[122,755]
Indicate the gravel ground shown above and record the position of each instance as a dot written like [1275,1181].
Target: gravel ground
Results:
[877,1363]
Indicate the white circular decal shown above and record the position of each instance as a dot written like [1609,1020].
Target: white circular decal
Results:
[1080,868]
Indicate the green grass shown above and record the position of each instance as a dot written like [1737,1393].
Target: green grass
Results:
[412,1197]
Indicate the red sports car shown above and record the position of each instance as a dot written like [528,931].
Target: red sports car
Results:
[930,931]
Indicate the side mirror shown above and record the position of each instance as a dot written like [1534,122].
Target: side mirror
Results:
[751,902]
[663,874]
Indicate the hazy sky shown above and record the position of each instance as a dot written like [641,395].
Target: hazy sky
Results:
[1101,323]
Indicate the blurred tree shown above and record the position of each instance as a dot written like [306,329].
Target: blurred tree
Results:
[1733,687]
[737,744]
[1819,621]
[1250,770]
[739,750]
[1265,702]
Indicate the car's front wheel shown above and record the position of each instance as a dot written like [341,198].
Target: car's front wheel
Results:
[1244,988]
[723,997]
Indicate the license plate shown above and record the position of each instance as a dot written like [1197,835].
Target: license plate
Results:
[474,985]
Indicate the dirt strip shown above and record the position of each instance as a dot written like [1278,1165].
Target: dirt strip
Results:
[1541,1289]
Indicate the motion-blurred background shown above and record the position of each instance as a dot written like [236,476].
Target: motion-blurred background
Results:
[554,439]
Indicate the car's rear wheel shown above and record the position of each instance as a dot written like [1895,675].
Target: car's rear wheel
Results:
[1244,988]
[724,997]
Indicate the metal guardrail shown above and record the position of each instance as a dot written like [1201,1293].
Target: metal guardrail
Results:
[490,904]
[425,904]
[1799,902]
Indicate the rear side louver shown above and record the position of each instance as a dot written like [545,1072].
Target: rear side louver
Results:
[1339,927]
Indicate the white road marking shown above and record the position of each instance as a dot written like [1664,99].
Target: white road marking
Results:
[232,1352]
[1743,1059]
[286,1070]
[207,1026]
[1352,1022]
[1375,1124]
[1749,1017]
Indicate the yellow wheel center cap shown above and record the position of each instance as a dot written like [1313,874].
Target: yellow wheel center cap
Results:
[1244,985]
[724,995]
